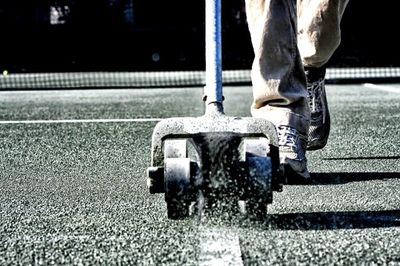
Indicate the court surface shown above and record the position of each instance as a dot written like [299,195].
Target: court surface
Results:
[73,184]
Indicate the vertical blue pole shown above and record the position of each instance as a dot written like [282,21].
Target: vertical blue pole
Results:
[213,88]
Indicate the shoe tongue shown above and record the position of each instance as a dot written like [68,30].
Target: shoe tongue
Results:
[314,74]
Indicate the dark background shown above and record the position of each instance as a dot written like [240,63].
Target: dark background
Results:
[146,35]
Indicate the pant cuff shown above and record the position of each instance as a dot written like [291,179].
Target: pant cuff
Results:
[281,116]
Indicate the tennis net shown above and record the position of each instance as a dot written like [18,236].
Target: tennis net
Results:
[65,44]
[76,80]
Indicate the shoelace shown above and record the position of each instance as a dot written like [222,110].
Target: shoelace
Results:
[315,102]
[314,94]
[287,136]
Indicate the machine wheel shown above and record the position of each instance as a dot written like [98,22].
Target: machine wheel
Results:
[176,179]
[259,177]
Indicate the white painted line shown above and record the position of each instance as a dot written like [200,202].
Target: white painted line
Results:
[382,87]
[74,121]
[219,247]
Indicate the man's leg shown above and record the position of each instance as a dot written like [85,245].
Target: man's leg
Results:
[318,38]
[279,84]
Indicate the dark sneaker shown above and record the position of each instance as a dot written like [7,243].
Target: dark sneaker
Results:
[320,119]
[292,153]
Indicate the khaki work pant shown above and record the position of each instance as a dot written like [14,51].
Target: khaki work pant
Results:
[286,36]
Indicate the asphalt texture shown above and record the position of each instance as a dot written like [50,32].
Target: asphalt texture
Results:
[75,193]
